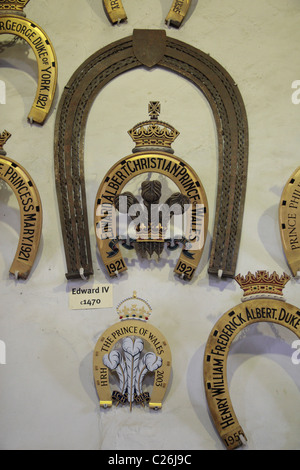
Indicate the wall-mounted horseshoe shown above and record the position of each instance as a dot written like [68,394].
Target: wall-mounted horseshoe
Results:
[30,211]
[116,12]
[178,12]
[178,171]
[289,221]
[128,360]
[151,48]
[12,23]
[265,304]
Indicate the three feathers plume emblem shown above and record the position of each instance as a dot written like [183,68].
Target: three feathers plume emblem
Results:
[131,368]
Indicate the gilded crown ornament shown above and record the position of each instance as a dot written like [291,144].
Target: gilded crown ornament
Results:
[13,6]
[134,308]
[153,133]
[131,350]
[262,302]
[262,284]
[3,139]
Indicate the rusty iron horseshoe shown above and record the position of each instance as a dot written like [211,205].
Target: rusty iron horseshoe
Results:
[149,48]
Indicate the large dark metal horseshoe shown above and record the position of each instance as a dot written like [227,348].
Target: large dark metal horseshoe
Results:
[151,48]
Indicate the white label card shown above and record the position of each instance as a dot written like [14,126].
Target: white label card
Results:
[96,296]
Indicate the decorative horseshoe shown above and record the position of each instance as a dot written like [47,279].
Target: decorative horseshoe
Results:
[262,302]
[116,13]
[131,333]
[113,183]
[30,210]
[151,48]
[152,227]
[289,221]
[13,21]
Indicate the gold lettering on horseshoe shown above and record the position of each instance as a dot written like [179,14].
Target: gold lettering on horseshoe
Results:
[289,221]
[116,12]
[178,12]
[187,182]
[30,211]
[46,60]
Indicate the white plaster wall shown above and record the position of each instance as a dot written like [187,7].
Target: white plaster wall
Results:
[47,395]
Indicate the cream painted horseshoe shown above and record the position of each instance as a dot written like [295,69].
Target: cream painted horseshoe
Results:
[30,212]
[289,221]
[216,354]
[114,181]
[116,12]
[178,12]
[46,60]
[131,362]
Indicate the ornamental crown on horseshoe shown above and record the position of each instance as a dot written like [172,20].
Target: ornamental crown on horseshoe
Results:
[153,133]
